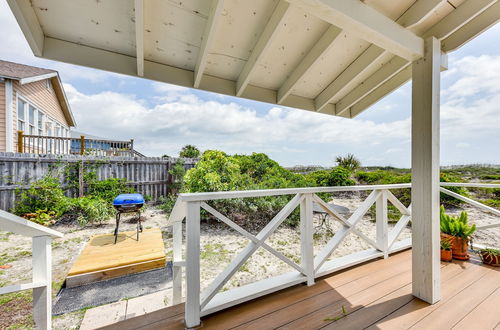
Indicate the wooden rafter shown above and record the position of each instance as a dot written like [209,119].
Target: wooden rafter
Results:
[208,37]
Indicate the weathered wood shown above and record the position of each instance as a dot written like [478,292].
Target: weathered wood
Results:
[425,173]
[148,176]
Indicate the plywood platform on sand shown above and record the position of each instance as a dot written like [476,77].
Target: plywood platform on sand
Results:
[102,259]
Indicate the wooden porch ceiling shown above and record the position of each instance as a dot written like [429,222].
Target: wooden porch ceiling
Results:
[375,295]
[329,56]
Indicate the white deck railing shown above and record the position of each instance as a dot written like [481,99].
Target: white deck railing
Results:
[188,206]
[42,266]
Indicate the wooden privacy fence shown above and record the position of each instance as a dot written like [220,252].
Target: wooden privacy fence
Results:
[148,176]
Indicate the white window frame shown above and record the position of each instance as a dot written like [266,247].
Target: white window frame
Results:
[46,117]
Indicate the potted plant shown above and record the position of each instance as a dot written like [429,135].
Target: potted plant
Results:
[458,230]
[446,253]
[490,257]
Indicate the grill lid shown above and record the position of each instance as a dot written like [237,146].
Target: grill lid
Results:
[127,199]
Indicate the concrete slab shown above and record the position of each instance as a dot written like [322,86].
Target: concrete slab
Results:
[104,315]
[146,304]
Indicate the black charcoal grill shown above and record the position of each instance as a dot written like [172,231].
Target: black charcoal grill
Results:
[128,203]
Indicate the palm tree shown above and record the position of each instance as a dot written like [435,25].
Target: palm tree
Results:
[349,162]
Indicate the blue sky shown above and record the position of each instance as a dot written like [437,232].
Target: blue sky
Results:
[162,118]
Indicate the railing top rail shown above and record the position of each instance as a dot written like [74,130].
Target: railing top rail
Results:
[12,223]
[47,137]
[470,185]
[204,196]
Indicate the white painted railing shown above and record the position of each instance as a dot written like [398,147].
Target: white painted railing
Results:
[41,283]
[188,206]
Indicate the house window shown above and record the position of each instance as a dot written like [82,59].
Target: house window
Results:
[48,128]
[40,123]
[31,120]
[21,122]
[58,130]
[49,84]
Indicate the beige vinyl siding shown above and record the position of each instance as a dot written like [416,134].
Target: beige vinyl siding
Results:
[2,117]
[42,98]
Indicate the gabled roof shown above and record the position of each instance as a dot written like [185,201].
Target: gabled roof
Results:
[331,56]
[17,71]
[26,74]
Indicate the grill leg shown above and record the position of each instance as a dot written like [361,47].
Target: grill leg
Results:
[117,225]
[139,225]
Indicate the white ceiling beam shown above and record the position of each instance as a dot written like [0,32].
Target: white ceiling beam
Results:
[419,12]
[208,36]
[371,55]
[476,26]
[360,65]
[324,44]
[473,28]
[68,52]
[265,40]
[368,24]
[458,18]
[139,36]
[386,72]
[469,11]
[377,94]
[28,22]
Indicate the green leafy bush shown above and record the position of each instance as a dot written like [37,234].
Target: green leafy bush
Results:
[456,226]
[338,176]
[87,210]
[189,151]
[217,171]
[44,194]
[108,189]
[42,217]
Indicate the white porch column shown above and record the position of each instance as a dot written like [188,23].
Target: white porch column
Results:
[425,174]
[9,116]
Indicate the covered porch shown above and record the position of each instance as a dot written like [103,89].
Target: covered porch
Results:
[327,56]
[373,295]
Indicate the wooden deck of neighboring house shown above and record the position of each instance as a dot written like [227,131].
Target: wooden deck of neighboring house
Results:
[375,295]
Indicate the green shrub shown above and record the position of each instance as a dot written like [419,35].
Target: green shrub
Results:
[447,177]
[338,176]
[44,194]
[189,151]
[108,189]
[42,217]
[217,171]
[166,203]
[87,210]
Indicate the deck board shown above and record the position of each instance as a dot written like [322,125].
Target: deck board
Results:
[375,295]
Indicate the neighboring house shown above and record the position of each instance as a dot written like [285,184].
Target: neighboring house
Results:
[32,100]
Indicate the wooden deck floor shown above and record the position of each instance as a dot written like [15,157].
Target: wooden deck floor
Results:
[375,295]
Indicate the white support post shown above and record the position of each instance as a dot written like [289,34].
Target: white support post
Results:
[177,263]
[381,223]
[425,173]
[192,309]
[306,237]
[42,272]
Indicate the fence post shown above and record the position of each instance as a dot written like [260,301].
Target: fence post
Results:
[306,238]
[20,141]
[192,309]
[82,144]
[80,179]
[42,272]
[381,223]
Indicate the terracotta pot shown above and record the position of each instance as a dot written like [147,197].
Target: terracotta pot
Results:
[446,255]
[460,248]
[490,259]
